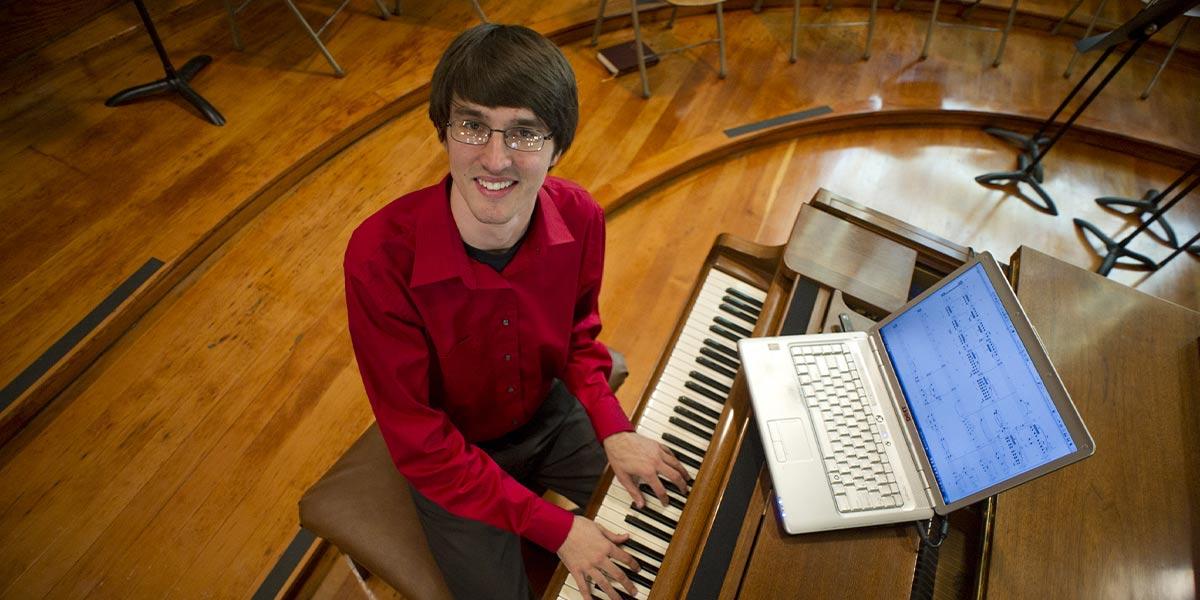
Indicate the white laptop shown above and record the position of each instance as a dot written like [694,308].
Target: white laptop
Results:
[947,401]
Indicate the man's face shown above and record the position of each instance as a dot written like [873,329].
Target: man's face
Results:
[496,183]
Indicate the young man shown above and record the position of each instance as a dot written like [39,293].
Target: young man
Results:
[473,310]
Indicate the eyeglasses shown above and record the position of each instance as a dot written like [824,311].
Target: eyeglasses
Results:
[475,133]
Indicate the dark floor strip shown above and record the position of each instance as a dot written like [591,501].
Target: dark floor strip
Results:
[59,349]
[286,564]
[799,116]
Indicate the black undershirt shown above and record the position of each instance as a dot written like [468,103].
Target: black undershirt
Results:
[498,259]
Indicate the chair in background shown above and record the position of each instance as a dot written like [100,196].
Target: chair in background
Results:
[474,5]
[1187,18]
[675,5]
[870,23]
[966,14]
[1087,33]
[315,35]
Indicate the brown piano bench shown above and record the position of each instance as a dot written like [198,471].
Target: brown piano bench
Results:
[363,506]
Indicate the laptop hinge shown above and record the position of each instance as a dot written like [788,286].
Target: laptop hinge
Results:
[901,411]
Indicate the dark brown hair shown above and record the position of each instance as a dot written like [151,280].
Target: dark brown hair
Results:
[511,66]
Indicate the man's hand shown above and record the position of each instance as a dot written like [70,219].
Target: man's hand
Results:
[635,458]
[588,553]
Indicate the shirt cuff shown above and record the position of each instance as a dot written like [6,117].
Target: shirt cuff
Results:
[608,418]
[550,526]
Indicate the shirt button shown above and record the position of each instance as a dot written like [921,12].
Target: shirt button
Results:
[510,389]
[514,421]
[504,322]
[507,357]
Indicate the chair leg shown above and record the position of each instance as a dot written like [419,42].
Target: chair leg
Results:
[396,8]
[795,30]
[599,23]
[870,29]
[479,11]
[671,21]
[637,47]
[1012,13]
[383,11]
[721,38]
[1166,59]
[898,5]
[1071,11]
[237,35]
[757,8]
[929,30]
[1090,27]
[337,70]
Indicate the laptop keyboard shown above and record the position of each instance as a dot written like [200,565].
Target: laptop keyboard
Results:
[856,462]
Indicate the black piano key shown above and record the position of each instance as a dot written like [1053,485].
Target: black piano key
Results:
[687,460]
[733,311]
[708,426]
[681,448]
[712,364]
[672,500]
[710,382]
[721,358]
[657,517]
[738,304]
[687,426]
[703,391]
[697,406]
[721,347]
[682,443]
[745,298]
[673,488]
[636,577]
[645,550]
[644,562]
[734,327]
[725,333]
[648,528]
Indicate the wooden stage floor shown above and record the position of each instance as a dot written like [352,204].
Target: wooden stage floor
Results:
[171,466]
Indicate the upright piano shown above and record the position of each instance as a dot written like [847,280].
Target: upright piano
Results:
[843,265]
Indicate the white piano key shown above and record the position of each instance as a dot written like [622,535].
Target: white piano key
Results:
[606,517]
[621,495]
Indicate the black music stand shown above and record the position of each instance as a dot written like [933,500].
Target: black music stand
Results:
[174,81]
[1146,23]
[1117,250]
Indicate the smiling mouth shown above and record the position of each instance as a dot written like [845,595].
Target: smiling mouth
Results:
[495,186]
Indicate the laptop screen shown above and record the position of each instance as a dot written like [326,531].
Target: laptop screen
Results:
[978,403]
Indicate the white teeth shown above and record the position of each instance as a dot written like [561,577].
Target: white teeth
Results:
[495,186]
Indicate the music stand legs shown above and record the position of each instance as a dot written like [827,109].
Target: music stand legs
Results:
[1115,250]
[174,81]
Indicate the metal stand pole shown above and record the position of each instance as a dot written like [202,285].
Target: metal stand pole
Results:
[1117,250]
[1027,164]
[174,81]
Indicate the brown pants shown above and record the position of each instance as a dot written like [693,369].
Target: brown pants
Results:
[556,450]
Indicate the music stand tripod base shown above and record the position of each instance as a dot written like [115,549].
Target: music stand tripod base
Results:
[174,82]
[1023,174]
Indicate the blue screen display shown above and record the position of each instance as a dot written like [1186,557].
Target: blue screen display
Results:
[980,406]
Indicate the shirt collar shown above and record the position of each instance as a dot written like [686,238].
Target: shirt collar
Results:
[439,252]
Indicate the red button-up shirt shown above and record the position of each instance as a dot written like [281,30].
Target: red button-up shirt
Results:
[452,352]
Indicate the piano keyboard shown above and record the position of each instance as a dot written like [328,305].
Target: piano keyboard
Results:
[681,412]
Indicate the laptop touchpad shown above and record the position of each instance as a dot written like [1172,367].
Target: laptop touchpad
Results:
[790,440]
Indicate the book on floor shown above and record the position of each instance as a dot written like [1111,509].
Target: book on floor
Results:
[622,58]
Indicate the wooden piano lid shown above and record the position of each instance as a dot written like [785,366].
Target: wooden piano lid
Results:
[863,264]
